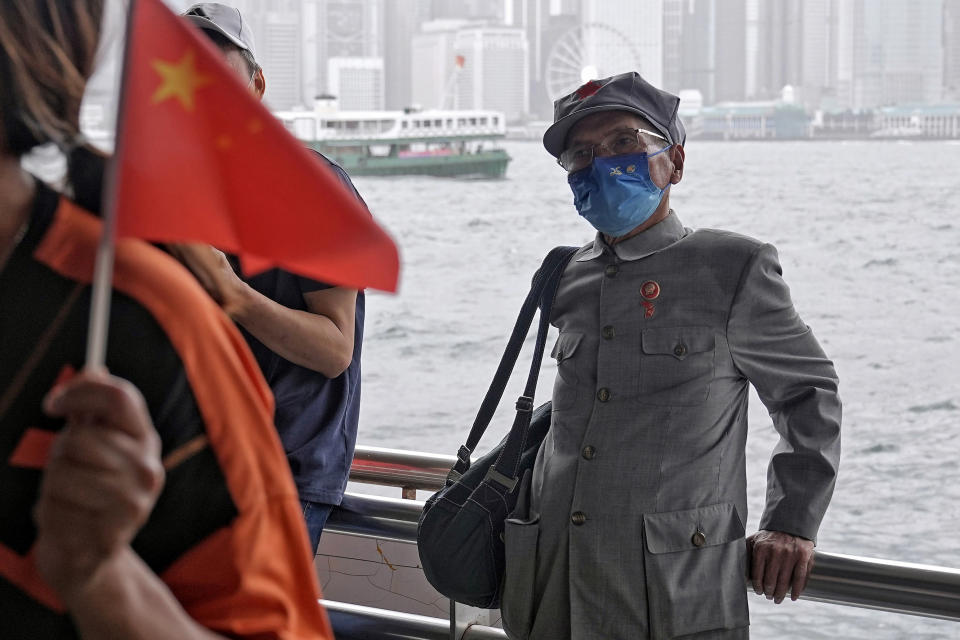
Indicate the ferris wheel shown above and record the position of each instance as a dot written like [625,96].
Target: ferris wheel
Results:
[585,52]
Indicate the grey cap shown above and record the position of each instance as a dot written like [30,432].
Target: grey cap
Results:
[624,92]
[227,21]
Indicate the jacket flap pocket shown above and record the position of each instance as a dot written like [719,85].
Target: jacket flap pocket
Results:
[678,342]
[566,346]
[692,528]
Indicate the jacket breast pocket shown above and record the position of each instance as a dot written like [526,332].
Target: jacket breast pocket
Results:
[676,366]
[565,386]
[695,564]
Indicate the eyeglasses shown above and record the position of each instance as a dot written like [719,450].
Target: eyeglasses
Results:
[618,143]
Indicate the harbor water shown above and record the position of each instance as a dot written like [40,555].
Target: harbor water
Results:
[870,245]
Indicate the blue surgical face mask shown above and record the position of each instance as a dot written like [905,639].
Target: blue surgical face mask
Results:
[615,194]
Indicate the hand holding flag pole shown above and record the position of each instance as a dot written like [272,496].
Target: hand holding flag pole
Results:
[198,159]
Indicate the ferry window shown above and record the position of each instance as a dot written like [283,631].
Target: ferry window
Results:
[449,122]
[426,123]
[438,123]
[496,120]
[404,124]
[473,122]
[461,122]
[483,121]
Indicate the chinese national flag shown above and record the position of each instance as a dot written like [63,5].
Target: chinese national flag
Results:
[201,160]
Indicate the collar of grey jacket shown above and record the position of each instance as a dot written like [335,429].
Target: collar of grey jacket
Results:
[658,237]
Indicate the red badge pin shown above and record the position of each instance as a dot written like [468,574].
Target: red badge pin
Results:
[648,309]
[650,290]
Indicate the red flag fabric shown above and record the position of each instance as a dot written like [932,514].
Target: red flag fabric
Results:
[201,160]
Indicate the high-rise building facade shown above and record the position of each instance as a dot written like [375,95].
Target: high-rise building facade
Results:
[347,29]
[730,50]
[818,53]
[898,53]
[402,20]
[278,33]
[435,73]
[547,24]
[778,62]
[488,11]
[624,36]
[673,44]
[698,49]
[358,83]
[494,72]
[951,50]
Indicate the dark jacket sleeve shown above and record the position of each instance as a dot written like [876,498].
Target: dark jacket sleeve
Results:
[779,354]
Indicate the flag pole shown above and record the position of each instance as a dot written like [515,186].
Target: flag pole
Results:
[103,267]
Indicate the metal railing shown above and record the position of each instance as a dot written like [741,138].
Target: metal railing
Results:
[886,585]
[356,622]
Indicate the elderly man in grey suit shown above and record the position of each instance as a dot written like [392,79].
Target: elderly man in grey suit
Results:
[635,521]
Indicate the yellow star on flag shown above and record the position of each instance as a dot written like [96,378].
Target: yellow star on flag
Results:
[180,80]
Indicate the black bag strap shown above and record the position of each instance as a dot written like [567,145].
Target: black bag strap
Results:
[541,295]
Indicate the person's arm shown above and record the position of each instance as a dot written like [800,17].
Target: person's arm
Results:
[780,356]
[320,338]
[99,486]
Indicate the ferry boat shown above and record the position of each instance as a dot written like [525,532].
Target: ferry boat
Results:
[448,143]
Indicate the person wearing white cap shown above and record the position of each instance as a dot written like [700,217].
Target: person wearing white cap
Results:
[637,504]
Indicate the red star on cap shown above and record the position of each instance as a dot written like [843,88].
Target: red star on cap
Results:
[588,89]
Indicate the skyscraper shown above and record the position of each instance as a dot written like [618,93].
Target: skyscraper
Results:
[489,11]
[817,51]
[951,50]
[278,34]
[358,83]
[844,49]
[434,72]
[347,29]
[730,50]
[698,50]
[495,70]
[545,23]
[639,23]
[404,18]
[899,52]
[778,63]
[673,44]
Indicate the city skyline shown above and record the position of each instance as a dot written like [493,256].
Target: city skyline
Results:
[517,56]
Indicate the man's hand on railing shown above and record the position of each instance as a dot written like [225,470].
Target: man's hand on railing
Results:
[779,561]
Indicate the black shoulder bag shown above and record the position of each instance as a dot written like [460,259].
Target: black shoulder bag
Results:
[460,533]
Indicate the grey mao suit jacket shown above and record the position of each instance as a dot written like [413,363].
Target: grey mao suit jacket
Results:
[635,522]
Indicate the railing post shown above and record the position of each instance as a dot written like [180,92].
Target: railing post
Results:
[463,616]
[453,620]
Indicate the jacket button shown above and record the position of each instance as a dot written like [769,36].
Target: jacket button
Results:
[603,394]
[588,452]
[611,270]
[578,518]
[699,539]
[680,349]
[608,332]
